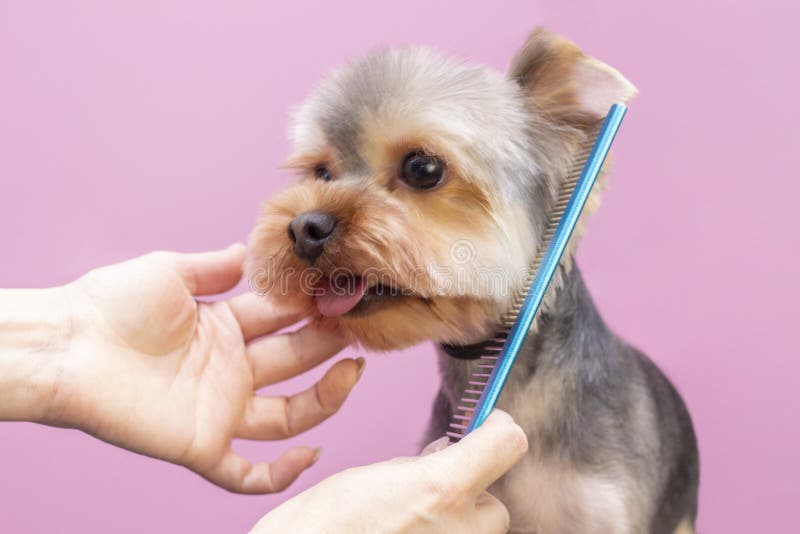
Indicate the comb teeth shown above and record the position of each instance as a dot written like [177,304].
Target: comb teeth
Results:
[454,436]
[465,409]
[491,350]
[557,211]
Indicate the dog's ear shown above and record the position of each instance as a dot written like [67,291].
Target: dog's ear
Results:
[564,83]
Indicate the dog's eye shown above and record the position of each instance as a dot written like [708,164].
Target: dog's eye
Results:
[422,171]
[323,173]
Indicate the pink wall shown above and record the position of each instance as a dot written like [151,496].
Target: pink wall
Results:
[126,127]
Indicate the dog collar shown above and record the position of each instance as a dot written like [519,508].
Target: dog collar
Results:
[467,352]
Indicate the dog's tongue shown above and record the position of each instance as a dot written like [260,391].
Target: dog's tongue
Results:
[334,299]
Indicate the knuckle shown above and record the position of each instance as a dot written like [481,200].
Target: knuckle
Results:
[442,489]
[438,487]
[285,429]
[334,387]
[298,342]
[327,397]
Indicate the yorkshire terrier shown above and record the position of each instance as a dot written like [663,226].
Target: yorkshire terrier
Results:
[425,186]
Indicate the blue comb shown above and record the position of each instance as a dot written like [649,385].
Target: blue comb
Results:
[560,228]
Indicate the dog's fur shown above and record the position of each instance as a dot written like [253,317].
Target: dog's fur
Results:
[612,449]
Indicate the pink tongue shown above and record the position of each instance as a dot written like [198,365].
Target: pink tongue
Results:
[339,298]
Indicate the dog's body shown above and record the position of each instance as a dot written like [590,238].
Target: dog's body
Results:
[420,173]
[612,449]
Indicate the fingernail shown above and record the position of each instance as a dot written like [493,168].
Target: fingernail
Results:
[361,364]
[317,453]
[435,446]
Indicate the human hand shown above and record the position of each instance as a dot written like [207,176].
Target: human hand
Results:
[152,370]
[444,491]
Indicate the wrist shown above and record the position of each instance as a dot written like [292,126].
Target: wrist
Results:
[35,336]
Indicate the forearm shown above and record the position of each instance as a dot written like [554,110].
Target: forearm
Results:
[35,332]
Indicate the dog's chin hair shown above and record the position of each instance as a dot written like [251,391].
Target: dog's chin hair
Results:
[507,142]
[456,320]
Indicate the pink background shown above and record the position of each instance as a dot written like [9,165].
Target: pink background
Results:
[132,126]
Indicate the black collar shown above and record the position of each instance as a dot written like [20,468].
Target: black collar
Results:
[471,352]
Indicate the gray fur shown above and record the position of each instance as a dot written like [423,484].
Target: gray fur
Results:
[597,412]
[615,414]
[480,108]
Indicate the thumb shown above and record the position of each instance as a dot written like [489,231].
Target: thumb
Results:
[484,455]
[206,273]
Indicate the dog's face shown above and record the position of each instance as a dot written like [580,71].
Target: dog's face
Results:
[424,186]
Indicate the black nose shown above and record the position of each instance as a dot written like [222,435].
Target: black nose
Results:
[309,231]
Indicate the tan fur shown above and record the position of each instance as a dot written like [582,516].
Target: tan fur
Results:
[564,82]
[545,497]
[501,139]
[685,527]
[566,501]
[409,236]
[380,233]
[544,65]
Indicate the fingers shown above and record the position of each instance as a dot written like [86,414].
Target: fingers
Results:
[491,516]
[485,454]
[269,418]
[238,475]
[276,358]
[206,273]
[258,316]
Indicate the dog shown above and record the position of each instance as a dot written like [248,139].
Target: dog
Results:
[425,185]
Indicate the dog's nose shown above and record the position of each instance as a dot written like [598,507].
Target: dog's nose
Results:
[309,231]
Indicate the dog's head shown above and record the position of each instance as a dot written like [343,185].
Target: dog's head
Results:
[425,184]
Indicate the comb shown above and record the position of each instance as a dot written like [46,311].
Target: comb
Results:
[500,353]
